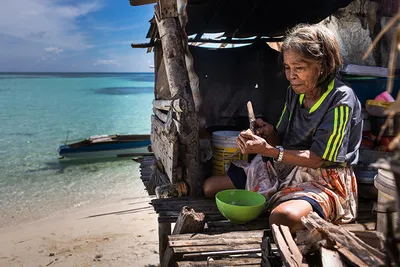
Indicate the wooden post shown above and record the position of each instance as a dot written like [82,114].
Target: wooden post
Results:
[164,230]
[170,33]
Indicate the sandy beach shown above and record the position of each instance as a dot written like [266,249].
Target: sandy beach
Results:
[116,234]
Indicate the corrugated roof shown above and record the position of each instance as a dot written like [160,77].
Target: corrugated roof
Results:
[241,19]
[246,18]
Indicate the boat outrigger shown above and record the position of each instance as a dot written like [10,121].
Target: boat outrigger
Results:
[101,146]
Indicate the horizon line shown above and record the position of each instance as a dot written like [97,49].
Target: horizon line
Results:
[76,71]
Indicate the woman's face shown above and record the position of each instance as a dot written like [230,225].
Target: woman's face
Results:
[302,73]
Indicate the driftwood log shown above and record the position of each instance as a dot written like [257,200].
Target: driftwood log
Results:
[331,236]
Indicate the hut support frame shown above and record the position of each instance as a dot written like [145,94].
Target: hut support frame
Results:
[186,160]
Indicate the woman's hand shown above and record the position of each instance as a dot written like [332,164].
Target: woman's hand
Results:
[250,143]
[263,129]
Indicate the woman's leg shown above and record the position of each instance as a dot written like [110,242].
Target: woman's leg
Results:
[215,184]
[289,213]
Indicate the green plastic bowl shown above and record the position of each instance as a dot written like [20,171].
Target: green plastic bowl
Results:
[240,206]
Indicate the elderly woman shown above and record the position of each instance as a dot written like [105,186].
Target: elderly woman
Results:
[314,144]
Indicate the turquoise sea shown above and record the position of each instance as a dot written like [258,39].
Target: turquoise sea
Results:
[38,112]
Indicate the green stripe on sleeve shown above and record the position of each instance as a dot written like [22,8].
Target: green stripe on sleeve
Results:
[328,146]
[346,116]
[338,136]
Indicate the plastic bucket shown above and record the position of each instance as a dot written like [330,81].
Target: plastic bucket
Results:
[225,150]
[385,183]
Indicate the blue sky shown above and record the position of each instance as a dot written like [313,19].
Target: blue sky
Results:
[73,35]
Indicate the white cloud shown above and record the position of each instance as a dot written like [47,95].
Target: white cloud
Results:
[106,62]
[118,28]
[53,49]
[51,22]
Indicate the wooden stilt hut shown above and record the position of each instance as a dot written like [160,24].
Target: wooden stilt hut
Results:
[198,90]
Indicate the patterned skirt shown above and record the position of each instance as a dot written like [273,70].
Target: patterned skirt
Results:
[335,189]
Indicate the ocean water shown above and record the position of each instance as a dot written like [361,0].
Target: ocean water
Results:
[38,112]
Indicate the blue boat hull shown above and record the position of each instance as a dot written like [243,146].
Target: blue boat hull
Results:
[114,147]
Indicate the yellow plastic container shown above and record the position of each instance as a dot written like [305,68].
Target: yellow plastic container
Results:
[225,150]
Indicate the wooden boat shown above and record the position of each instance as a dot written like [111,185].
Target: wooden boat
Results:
[101,146]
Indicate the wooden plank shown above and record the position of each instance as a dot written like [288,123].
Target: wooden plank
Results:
[234,261]
[160,115]
[198,236]
[359,226]
[164,229]
[330,258]
[283,248]
[161,89]
[204,206]
[373,238]
[229,247]
[176,213]
[185,200]
[172,219]
[164,145]
[142,45]
[142,2]
[176,208]
[177,104]
[351,244]
[221,253]
[214,241]
[162,104]
[292,245]
[353,259]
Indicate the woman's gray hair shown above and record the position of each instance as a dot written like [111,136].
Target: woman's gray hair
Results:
[315,42]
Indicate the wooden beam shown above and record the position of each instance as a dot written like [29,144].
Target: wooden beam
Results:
[235,41]
[373,238]
[170,32]
[215,241]
[142,2]
[142,45]
[348,244]
[213,41]
[162,104]
[330,258]
[288,250]
[224,249]
[164,230]
[179,106]
[237,261]
[291,244]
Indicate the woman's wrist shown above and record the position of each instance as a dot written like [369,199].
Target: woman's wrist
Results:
[270,151]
